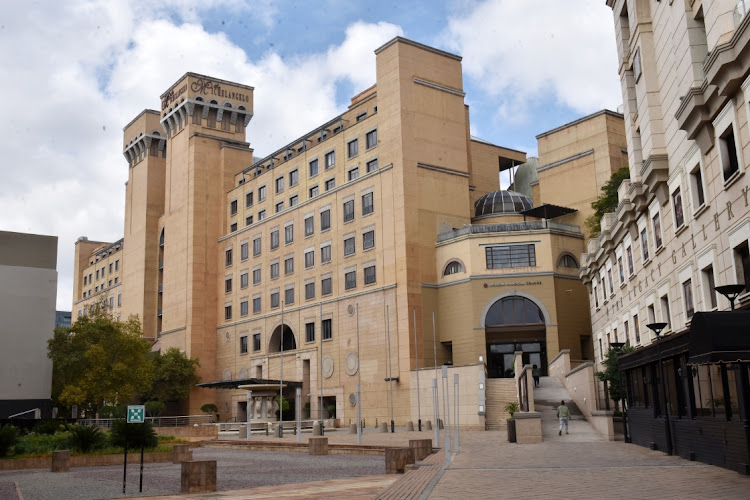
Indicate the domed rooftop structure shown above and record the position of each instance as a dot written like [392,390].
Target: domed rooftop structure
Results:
[502,202]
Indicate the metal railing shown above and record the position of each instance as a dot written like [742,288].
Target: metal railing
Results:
[178,421]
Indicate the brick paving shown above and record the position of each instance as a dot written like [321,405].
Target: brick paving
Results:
[414,482]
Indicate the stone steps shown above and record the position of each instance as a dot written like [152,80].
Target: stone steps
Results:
[498,393]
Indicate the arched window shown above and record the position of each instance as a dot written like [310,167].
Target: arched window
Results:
[514,310]
[453,267]
[567,260]
[290,344]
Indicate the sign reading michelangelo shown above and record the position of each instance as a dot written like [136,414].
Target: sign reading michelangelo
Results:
[204,87]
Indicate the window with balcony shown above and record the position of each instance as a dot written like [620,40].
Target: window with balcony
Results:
[309,226]
[368,240]
[367,204]
[325,254]
[349,211]
[349,247]
[350,280]
[228,257]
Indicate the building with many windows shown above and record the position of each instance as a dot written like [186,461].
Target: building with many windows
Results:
[373,245]
[682,226]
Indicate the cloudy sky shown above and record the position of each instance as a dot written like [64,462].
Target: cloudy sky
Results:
[76,71]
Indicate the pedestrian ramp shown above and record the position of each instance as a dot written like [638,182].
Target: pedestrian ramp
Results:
[547,398]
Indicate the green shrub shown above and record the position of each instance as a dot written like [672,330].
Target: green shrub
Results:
[8,438]
[113,411]
[209,408]
[48,427]
[155,408]
[85,438]
[511,407]
[135,435]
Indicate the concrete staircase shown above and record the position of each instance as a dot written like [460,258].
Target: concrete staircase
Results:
[499,391]
[546,400]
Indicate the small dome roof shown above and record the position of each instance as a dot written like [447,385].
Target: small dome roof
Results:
[502,202]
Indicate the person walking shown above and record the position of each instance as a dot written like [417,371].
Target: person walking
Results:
[535,374]
[563,413]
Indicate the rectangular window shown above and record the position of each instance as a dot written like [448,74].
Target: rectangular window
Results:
[696,185]
[309,332]
[313,168]
[629,254]
[293,201]
[327,327]
[256,305]
[117,265]
[227,312]
[256,276]
[609,278]
[261,193]
[325,220]
[728,153]
[644,244]
[228,258]
[687,292]
[665,315]
[651,314]
[289,234]
[110,268]
[243,344]
[657,231]
[119,300]
[256,342]
[244,251]
[326,286]
[97,274]
[274,300]
[293,178]
[349,211]
[353,173]
[249,200]
[244,280]
[233,227]
[350,280]
[362,116]
[369,275]
[289,265]
[330,184]
[261,215]
[274,270]
[325,254]
[636,329]
[310,291]
[709,287]
[111,302]
[330,159]
[309,226]
[510,256]
[243,308]
[85,278]
[742,264]
[371,139]
[279,206]
[349,246]
[679,217]
[367,204]
[116,279]
[309,259]
[596,296]
[289,296]
[274,239]
[368,240]
[228,285]
[248,220]
[314,191]
[620,268]
[256,246]
[372,165]
[233,207]
[279,184]
[352,148]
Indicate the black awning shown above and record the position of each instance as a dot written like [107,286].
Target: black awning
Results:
[671,345]
[548,211]
[720,337]
[235,384]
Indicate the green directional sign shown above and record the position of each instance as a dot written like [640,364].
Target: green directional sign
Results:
[136,414]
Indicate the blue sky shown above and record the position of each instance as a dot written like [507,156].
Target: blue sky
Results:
[79,70]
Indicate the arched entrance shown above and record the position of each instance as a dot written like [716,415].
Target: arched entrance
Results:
[290,344]
[514,322]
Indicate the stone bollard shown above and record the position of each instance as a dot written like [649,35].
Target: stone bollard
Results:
[409,425]
[243,432]
[428,425]
[181,453]
[277,430]
[61,461]
[198,476]
[396,459]
[383,427]
[422,448]
[317,446]
[316,428]
[352,428]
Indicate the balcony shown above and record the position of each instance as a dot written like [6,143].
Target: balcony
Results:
[158,312]
[507,228]
[161,287]
[161,265]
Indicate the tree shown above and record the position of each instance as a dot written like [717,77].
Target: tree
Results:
[174,376]
[612,375]
[99,361]
[154,408]
[607,201]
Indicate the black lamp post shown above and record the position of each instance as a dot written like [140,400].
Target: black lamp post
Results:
[731,292]
[617,346]
[657,329]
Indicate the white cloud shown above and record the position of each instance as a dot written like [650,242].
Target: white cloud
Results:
[562,51]
[79,71]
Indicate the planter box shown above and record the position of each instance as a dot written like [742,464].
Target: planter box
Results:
[511,431]
[85,460]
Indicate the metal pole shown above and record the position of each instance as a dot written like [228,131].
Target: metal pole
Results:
[455,409]
[125,467]
[434,358]
[298,409]
[359,380]
[664,400]
[140,487]
[320,369]
[390,373]
[281,373]
[416,362]
[446,410]
[436,431]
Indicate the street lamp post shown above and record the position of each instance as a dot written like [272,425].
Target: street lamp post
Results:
[617,346]
[657,329]
[731,292]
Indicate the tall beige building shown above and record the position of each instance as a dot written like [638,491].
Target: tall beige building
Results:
[340,247]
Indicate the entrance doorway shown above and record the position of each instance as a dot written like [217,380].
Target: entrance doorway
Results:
[500,356]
